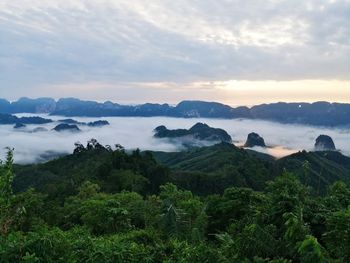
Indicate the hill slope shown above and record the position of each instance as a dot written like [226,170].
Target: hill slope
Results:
[225,164]
[202,170]
[317,169]
[212,169]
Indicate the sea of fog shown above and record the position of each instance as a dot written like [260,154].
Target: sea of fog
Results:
[137,132]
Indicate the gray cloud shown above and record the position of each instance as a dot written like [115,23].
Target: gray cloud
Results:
[52,42]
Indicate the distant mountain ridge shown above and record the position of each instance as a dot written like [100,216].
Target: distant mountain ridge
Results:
[318,113]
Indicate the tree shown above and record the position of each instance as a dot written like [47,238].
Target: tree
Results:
[286,195]
[337,236]
[6,177]
[310,251]
[87,190]
[183,214]
[236,204]
[338,196]
[6,193]
[79,148]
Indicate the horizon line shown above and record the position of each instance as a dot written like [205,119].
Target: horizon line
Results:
[56,99]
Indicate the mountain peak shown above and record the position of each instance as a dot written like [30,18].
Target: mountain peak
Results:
[324,143]
[253,140]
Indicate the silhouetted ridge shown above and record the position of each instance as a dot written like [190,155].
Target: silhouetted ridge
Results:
[318,113]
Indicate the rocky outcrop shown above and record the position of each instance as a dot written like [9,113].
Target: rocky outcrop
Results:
[99,123]
[66,127]
[19,125]
[198,132]
[254,139]
[324,143]
[12,119]
[69,121]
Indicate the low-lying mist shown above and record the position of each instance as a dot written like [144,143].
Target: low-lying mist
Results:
[137,132]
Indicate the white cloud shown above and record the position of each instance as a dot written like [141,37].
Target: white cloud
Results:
[137,132]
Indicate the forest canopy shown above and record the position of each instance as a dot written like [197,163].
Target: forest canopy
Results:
[110,205]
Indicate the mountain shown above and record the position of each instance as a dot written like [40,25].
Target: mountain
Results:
[317,169]
[198,133]
[5,106]
[324,143]
[76,107]
[11,119]
[253,140]
[40,105]
[98,123]
[19,126]
[113,170]
[318,113]
[66,127]
[8,119]
[214,166]
[152,109]
[192,109]
[211,169]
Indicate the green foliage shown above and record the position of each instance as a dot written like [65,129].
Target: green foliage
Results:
[310,251]
[337,236]
[286,195]
[251,240]
[338,197]
[236,205]
[6,177]
[317,169]
[209,170]
[183,214]
[87,190]
[113,171]
[104,213]
[99,205]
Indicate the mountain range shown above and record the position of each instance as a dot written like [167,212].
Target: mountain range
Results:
[318,113]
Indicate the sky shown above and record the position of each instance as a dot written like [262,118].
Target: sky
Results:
[232,51]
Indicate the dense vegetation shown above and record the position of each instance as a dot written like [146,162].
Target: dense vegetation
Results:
[104,205]
[211,169]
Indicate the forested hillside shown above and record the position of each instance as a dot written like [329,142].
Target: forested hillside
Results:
[210,204]
[222,165]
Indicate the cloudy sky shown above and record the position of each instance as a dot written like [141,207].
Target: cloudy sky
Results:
[236,52]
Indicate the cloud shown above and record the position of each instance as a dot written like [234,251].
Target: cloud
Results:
[52,42]
[137,132]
